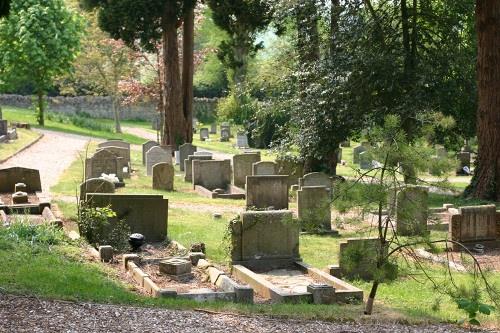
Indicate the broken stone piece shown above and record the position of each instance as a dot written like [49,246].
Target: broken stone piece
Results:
[175,266]
[20,198]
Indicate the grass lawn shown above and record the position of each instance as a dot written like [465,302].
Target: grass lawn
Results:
[28,116]
[25,138]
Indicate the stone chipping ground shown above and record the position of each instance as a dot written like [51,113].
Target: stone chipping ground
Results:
[28,314]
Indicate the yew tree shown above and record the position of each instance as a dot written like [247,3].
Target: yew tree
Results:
[143,24]
[486,181]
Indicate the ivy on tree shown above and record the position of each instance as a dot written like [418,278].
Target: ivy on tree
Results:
[38,42]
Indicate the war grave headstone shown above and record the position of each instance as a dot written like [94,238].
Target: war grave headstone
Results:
[242,140]
[96,185]
[242,167]
[213,128]
[264,168]
[204,134]
[267,191]
[103,161]
[163,177]
[145,147]
[184,151]
[470,225]
[157,154]
[224,135]
[412,211]
[145,214]
[313,207]
[265,254]
[212,178]
[188,165]
[463,162]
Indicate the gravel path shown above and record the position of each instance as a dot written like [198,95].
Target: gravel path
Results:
[33,316]
[52,154]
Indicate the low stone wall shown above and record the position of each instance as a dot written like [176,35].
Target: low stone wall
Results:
[100,106]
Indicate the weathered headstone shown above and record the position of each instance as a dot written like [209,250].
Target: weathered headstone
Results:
[145,147]
[225,126]
[212,174]
[264,239]
[158,154]
[358,150]
[145,214]
[9,177]
[463,161]
[357,258]
[365,160]
[213,128]
[122,153]
[104,161]
[224,135]
[96,185]
[163,177]
[4,127]
[188,165]
[316,179]
[412,211]
[267,191]
[242,167]
[114,143]
[313,203]
[184,151]
[204,133]
[339,155]
[264,168]
[472,224]
[241,140]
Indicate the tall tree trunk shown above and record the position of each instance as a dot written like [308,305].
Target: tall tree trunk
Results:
[188,72]
[486,181]
[175,123]
[41,107]
[116,113]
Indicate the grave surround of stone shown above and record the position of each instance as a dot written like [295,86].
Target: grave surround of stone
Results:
[470,225]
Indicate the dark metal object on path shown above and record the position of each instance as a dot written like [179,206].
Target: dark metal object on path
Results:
[136,241]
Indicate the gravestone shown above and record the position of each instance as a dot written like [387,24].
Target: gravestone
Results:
[213,128]
[242,167]
[412,211]
[4,128]
[212,174]
[358,150]
[163,177]
[202,153]
[12,134]
[188,165]
[114,143]
[226,126]
[204,133]
[357,258]
[184,151]
[264,168]
[104,161]
[145,147]
[96,185]
[124,155]
[313,203]
[463,161]
[157,154]
[242,140]
[339,155]
[263,239]
[365,160]
[9,177]
[293,169]
[267,191]
[473,224]
[224,135]
[316,179]
[145,214]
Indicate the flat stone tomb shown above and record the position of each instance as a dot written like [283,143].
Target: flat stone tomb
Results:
[185,150]
[265,254]
[212,178]
[267,191]
[264,168]
[145,147]
[176,268]
[157,154]
[242,167]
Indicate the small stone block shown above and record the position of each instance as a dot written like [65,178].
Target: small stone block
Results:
[106,253]
[20,198]
[322,293]
[334,270]
[20,187]
[175,266]
[167,292]
[202,263]
[244,294]
[195,257]
[133,258]
[214,274]
[139,276]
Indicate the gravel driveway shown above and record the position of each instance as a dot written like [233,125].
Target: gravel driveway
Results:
[23,314]
[52,154]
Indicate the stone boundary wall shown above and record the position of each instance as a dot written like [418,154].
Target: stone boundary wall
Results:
[100,106]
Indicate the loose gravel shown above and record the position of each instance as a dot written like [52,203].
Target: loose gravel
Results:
[24,314]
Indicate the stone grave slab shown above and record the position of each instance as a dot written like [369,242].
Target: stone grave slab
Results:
[9,177]
[264,168]
[184,151]
[267,191]
[145,147]
[163,177]
[188,165]
[157,154]
[242,167]
[412,211]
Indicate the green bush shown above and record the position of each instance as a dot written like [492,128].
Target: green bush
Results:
[24,231]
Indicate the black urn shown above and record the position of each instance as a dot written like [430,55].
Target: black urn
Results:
[136,241]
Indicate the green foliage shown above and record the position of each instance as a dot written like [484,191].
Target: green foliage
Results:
[473,307]
[22,231]
[100,227]
[236,107]
[81,120]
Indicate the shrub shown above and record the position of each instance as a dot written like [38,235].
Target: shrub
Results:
[24,231]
